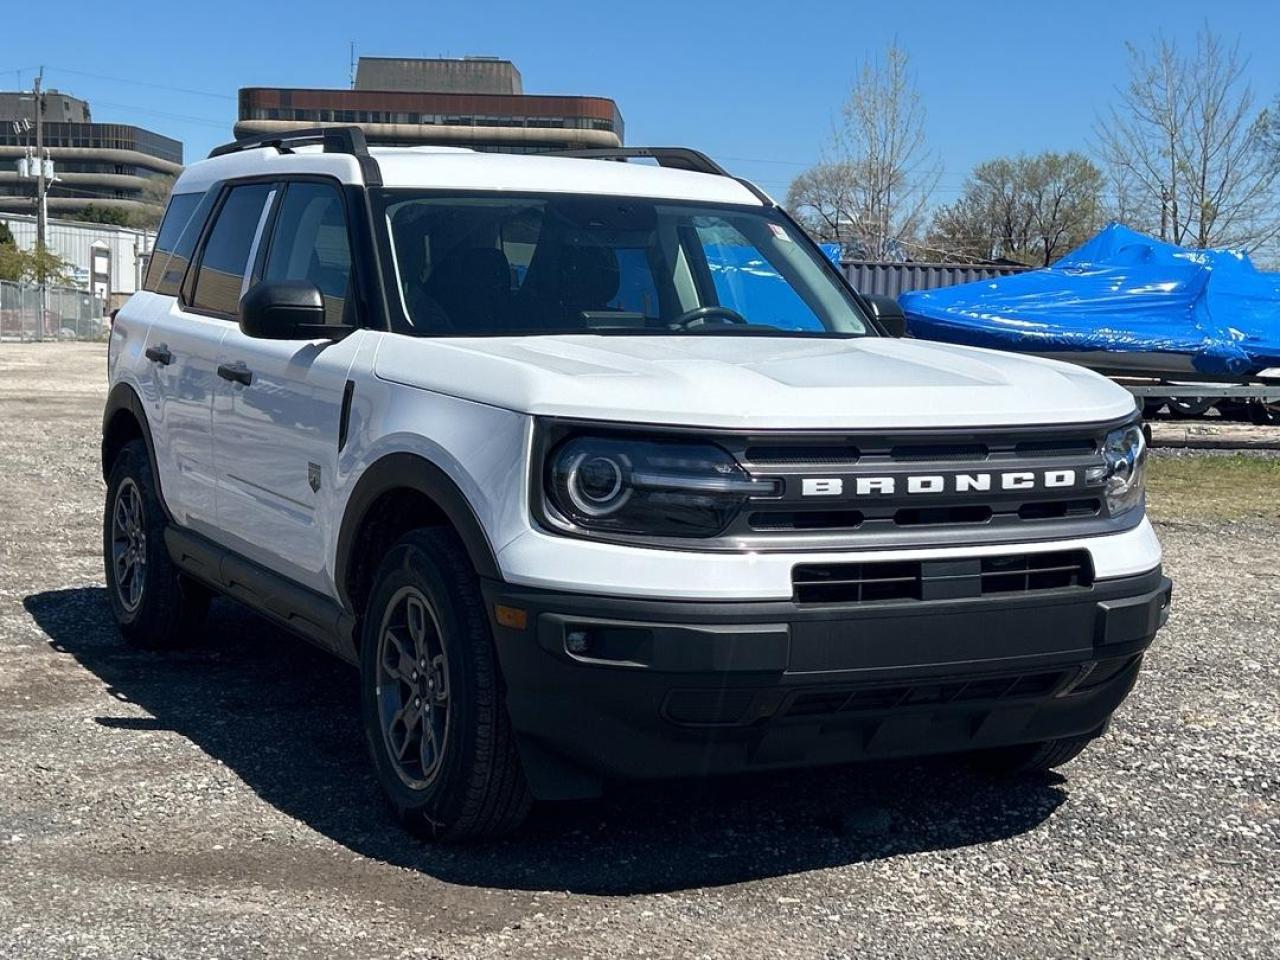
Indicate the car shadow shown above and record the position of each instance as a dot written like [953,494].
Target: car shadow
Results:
[283,716]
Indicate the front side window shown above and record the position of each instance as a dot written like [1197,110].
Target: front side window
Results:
[311,243]
[485,265]
[226,252]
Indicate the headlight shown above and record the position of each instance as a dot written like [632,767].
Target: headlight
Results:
[649,488]
[1125,451]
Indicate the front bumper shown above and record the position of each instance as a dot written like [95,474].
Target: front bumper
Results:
[604,688]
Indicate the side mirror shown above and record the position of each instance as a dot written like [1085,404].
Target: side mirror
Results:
[287,310]
[890,315]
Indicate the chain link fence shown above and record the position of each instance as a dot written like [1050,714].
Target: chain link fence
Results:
[30,312]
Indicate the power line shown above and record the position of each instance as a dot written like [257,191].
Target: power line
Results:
[144,83]
[186,118]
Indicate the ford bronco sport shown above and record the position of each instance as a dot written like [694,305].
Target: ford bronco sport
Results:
[600,470]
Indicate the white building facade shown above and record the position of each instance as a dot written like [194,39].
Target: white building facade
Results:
[104,258]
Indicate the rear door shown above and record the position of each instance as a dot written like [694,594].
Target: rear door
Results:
[184,349]
[276,436]
[177,376]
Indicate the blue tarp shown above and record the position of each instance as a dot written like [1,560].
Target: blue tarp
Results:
[1121,292]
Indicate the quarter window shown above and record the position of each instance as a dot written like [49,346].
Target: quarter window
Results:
[174,244]
[226,252]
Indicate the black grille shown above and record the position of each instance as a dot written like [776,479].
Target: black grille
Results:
[970,474]
[939,452]
[801,454]
[921,580]
[1036,571]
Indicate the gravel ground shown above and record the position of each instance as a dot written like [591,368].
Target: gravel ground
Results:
[217,802]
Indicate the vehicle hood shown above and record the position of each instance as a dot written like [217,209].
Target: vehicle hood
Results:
[754,382]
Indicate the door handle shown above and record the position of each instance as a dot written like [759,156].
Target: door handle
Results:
[236,372]
[159,354]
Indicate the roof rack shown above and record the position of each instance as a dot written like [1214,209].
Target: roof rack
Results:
[677,158]
[348,140]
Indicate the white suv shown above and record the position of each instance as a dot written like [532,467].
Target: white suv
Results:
[600,470]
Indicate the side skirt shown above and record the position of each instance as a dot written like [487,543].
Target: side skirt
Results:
[311,615]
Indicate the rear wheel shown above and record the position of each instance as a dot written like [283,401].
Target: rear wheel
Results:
[1187,408]
[1029,758]
[432,698]
[154,605]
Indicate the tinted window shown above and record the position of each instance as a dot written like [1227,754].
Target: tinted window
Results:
[176,240]
[310,243]
[486,265]
[226,252]
[637,293]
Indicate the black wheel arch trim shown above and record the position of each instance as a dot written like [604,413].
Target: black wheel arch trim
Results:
[414,472]
[123,398]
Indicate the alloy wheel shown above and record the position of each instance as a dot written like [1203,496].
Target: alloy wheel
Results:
[128,544]
[412,687]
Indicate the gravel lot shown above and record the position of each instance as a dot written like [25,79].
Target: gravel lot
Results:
[216,802]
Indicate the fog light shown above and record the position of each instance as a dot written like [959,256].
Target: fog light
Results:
[577,641]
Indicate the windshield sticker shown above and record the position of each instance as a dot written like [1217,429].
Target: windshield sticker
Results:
[779,232]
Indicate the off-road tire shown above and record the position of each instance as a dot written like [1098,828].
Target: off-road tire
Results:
[169,608]
[477,788]
[1031,758]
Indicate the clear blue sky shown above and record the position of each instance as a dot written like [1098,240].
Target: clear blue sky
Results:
[754,83]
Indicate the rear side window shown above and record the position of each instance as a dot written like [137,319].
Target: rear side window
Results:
[174,244]
[226,252]
[311,244]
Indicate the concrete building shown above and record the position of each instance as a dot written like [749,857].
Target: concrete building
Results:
[108,165]
[465,75]
[106,259]
[470,102]
[58,107]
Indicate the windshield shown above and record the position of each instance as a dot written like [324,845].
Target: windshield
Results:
[485,265]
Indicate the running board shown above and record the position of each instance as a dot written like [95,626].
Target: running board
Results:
[298,609]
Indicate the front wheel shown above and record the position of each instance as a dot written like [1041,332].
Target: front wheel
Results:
[432,698]
[154,605]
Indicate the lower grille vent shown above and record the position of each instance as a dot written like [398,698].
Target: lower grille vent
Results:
[925,694]
[940,579]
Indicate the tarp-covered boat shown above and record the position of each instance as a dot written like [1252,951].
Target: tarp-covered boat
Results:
[1122,302]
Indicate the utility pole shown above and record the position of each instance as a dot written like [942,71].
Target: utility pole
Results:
[41,206]
[352,46]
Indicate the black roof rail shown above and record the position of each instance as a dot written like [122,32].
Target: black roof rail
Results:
[348,140]
[677,158]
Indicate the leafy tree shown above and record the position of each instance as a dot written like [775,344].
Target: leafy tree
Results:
[30,266]
[1032,209]
[1187,151]
[155,194]
[92,213]
[873,185]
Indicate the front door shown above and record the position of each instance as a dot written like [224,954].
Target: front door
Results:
[276,429]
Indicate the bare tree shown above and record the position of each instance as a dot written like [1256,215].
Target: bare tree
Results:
[1186,145]
[877,174]
[823,199]
[1032,209]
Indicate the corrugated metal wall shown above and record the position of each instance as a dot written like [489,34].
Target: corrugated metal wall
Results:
[76,242]
[891,279]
